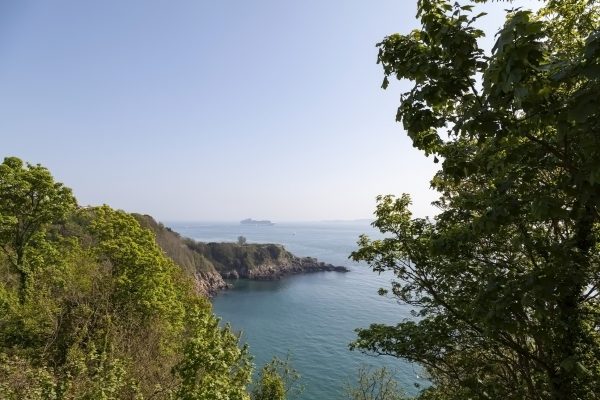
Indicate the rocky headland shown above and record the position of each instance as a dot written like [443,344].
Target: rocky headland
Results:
[211,263]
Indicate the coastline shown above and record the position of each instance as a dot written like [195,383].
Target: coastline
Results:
[213,262]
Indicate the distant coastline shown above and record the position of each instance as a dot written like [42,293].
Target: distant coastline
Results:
[250,221]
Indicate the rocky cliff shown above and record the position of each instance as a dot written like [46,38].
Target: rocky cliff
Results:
[258,261]
[209,263]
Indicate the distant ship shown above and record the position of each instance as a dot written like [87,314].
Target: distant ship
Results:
[250,221]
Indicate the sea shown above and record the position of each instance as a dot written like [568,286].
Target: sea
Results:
[311,317]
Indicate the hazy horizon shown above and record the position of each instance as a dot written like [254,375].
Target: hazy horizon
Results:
[193,111]
[281,222]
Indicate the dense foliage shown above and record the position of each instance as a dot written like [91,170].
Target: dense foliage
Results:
[271,385]
[505,280]
[91,308]
[31,200]
[277,380]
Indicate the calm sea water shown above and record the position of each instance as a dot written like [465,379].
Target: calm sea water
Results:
[312,316]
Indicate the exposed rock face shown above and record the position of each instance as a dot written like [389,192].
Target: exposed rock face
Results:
[290,266]
[209,263]
[259,261]
[209,283]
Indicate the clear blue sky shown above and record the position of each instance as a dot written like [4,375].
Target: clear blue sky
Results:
[211,110]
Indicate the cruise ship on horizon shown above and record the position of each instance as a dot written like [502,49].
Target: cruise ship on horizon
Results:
[250,221]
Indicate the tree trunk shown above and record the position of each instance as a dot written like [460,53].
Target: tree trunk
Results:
[23,277]
[570,333]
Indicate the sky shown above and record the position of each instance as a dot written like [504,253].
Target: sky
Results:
[194,110]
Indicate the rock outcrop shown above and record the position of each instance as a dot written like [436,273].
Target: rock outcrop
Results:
[259,261]
[209,263]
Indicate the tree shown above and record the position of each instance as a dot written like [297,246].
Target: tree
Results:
[30,201]
[154,301]
[214,366]
[270,386]
[145,279]
[278,380]
[505,279]
[378,384]
[241,240]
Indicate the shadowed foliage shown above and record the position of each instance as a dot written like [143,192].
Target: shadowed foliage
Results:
[505,279]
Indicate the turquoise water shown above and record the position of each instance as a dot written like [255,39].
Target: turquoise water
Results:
[311,316]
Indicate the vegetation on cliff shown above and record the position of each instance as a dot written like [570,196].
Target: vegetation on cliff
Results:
[92,308]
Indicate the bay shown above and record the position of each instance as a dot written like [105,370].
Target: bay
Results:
[312,316]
